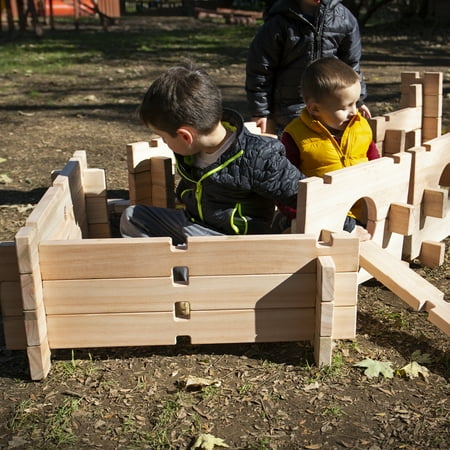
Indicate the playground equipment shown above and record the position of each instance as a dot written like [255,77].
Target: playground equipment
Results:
[66,283]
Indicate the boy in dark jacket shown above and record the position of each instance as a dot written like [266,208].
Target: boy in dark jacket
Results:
[294,34]
[230,178]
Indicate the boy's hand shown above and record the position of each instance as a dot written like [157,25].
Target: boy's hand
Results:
[261,122]
[361,233]
[365,111]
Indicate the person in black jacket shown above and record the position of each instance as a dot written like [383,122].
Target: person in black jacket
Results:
[229,177]
[294,34]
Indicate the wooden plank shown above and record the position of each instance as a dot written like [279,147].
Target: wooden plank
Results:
[404,119]
[396,276]
[160,294]
[150,257]
[204,327]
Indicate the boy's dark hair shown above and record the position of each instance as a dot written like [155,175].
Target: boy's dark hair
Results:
[183,95]
[324,76]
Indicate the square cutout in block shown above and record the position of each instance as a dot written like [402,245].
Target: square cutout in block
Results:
[180,274]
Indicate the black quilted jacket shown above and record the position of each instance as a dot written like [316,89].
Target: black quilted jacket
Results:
[285,44]
[236,194]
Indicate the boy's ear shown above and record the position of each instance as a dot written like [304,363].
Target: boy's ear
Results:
[313,108]
[187,134]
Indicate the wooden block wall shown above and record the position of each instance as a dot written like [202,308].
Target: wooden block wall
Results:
[429,196]
[151,173]
[339,190]
[419,118]
[268,294]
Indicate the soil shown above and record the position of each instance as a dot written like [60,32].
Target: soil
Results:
[258,396]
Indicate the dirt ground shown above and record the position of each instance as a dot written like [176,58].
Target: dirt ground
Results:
[262,396]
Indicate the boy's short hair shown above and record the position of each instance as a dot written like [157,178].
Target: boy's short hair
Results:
[183,95]
[324,76]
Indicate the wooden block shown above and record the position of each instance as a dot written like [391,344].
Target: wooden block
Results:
[433,83]
[162,328]
[95,182]
[400,279]
[163,183]
[407,79]
[378,125]
[346,289]
[9,266]
[35,325]
[31,284]
[324,318]
[160,293]
[323,350]
[160,148]
[434,203]
[97,210]
[401,218]
[339,190]
[413,138]
[252,127]
[99,230]
[81,156]
[39,361]
[326,273]
[394,142]
[415,96]
[53,213]
[432,254]
[138,157]
[432,106]
[27,249]
[140,188]
[344,322]
[432,128]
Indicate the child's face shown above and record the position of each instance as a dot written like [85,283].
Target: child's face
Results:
[336,111]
